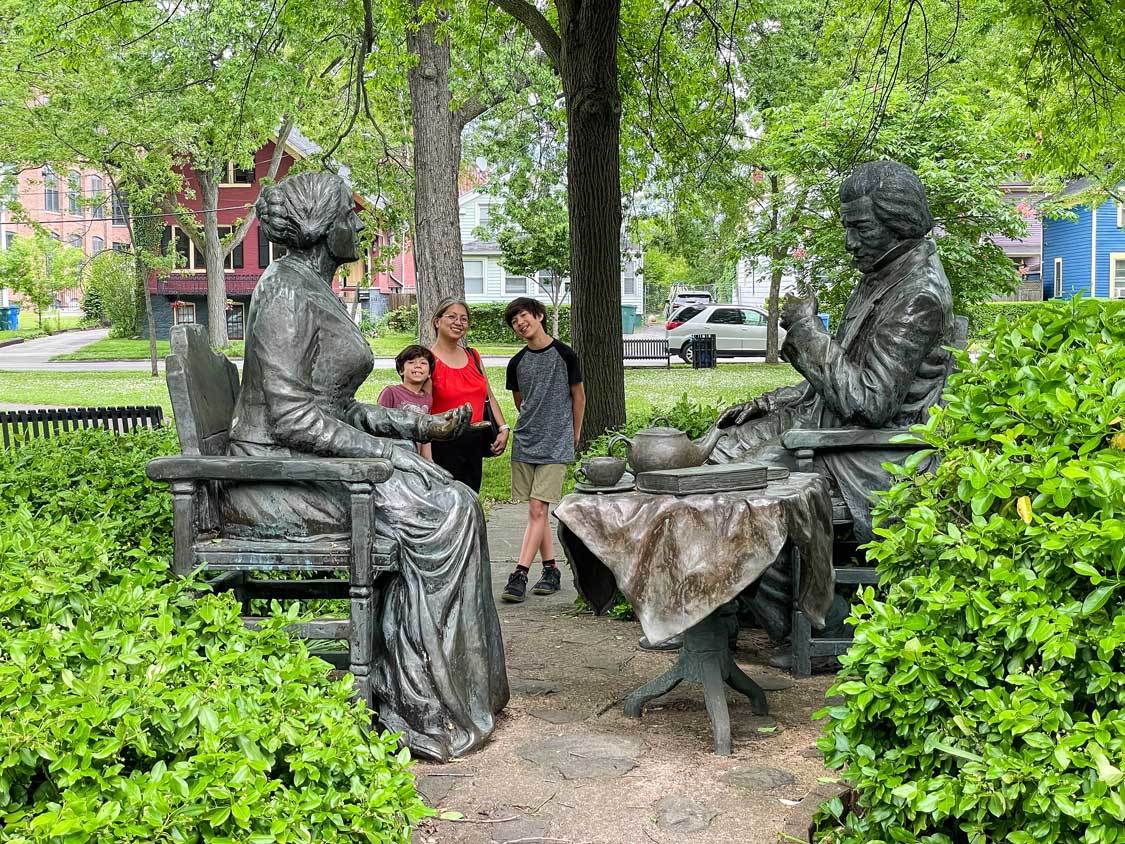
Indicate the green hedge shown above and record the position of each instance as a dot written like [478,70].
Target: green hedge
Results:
[486,322]
[983,316]
[983,698]
[145,713]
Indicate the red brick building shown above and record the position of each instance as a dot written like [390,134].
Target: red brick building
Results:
[181,296]
[74,204]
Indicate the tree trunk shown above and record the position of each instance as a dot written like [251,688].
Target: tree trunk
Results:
[588,67]
[145,227]
[213,257]
[437,239]
[773,305]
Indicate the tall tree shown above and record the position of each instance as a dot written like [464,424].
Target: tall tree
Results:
[583,50]
[200,86]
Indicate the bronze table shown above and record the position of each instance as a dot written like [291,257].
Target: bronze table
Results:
[682,560]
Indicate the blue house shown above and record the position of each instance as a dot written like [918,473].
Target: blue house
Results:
[1086,254]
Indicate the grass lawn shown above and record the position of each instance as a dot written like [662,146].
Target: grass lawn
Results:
[29,325]
[386,346]
[116,348]
[645,390]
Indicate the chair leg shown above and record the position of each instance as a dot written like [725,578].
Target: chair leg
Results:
[800,632]
[361,593]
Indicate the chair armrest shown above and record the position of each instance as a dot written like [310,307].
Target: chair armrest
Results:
[841,439]
[347,470]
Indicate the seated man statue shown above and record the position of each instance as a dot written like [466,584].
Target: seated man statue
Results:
[884,367]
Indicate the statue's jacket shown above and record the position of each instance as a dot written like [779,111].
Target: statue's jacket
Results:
[884,368]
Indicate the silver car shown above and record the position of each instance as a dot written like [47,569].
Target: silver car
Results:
[739,330]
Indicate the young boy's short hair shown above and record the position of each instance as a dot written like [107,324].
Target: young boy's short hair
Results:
[410,353]
[524,303]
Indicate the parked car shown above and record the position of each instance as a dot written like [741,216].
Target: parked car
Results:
[739,330]
[686,297]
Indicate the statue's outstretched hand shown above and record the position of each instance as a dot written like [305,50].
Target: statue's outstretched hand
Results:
[740,413]
[447,426]
[408,460]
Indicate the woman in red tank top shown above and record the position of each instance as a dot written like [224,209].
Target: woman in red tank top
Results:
[459,377]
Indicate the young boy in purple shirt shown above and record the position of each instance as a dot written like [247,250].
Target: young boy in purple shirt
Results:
[414,365]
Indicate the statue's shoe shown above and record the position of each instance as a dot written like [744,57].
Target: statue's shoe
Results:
[673,644]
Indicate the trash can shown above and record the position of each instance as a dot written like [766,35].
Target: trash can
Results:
[10,318]
[824,319]
[703,351]
[628,319]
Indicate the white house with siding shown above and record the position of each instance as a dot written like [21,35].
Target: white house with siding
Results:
[486,280]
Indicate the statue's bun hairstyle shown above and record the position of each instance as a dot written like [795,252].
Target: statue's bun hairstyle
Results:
[299,210]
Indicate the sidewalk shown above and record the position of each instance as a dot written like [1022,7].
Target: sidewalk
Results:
[566,766]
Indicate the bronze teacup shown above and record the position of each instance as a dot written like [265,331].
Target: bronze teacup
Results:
[601,471]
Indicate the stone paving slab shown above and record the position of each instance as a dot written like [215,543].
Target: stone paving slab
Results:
[654,780]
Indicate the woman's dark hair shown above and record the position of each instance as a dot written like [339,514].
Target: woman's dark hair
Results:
[897,196]
[443,306]
[299,210]
[410,353]
[524,303]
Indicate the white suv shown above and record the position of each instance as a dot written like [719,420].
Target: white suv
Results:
[739,330]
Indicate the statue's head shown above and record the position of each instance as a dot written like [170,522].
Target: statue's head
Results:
[306,209]
[882,203]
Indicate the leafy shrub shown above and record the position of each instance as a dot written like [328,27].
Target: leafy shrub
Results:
[984,317]
[94,475]
[486,322]
[150,714]
[114,283]
[984,695]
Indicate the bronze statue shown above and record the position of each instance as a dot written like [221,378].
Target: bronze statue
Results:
[884,368]
[440,678]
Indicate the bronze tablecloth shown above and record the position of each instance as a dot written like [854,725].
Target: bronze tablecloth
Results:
[679,558]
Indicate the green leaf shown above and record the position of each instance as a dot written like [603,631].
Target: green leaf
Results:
[1097,599]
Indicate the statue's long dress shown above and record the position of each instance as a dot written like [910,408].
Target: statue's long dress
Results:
[440,677]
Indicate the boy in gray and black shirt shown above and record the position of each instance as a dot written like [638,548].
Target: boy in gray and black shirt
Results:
[546,384]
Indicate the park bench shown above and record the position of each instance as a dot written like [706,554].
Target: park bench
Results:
[647,348]
[17,425]
[847,558]
[203,386]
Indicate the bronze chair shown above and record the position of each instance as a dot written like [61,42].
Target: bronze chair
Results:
[847,557]
[203,386]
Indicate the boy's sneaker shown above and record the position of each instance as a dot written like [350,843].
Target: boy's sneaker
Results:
[516,589]
[549,583]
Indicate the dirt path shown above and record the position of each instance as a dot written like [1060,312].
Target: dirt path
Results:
[566,766]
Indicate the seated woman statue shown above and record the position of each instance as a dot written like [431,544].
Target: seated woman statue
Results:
[439,675]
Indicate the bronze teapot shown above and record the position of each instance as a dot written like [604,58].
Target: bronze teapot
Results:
[665,448]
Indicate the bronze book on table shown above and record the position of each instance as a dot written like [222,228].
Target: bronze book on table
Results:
[729,477]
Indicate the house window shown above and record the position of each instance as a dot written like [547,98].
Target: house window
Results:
[1117,275]
[76,241]
[183,313]
[236,320]
[8,238]
[515,283]
[120,210]
[550,284]
[50,190]
[629,279]
[74,192]
[97,245]
[474,277]
[268,252]
[96,188]
[188,257]
[8,182]
[1058,287]
[1121,215]
[237,175]
[120,246]
[483,213]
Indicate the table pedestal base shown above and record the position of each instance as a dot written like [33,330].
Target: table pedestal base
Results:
[705,659]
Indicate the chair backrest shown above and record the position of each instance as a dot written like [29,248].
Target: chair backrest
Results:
[203,386]
[959,333]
